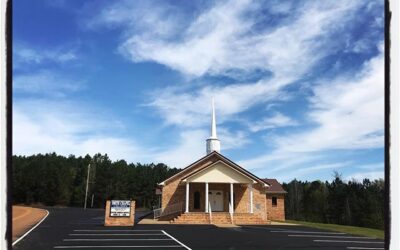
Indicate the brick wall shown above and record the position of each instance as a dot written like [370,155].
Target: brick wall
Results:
[119,221]
[276,212]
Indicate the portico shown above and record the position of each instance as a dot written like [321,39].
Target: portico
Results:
[220,188]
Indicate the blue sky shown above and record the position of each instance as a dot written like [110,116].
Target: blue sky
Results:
[298,85]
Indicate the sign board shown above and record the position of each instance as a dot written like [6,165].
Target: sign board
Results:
[120,208]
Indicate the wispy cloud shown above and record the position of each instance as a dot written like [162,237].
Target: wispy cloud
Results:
[220,40]
[348,112]
[360,176]
[275,121]
[50,83]
[24,54]
[69,128]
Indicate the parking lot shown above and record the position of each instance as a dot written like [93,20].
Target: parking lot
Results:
[73,228]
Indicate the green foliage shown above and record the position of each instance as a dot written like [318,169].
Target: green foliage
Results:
[352,203]
[362,231]
[57,180]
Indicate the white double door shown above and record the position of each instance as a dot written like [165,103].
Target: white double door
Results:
[216,198]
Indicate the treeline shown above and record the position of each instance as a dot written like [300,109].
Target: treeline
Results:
[52,179]
[337,202]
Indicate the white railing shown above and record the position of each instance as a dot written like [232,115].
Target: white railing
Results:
[210,212]
[231,211]
[157,213]
[174,208]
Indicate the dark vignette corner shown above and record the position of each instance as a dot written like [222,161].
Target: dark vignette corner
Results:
[388,15]
[9,120]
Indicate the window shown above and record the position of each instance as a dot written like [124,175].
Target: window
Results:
[274,201]
[196,200]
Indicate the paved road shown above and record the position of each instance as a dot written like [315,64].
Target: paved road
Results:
[73,228]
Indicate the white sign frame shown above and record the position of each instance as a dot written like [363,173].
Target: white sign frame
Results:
[120,208]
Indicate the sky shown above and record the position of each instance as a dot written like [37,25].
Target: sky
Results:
[298,85]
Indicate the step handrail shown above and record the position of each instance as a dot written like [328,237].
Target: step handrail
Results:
[210,212]
[171,209]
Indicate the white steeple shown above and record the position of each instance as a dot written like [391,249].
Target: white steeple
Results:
[213,144]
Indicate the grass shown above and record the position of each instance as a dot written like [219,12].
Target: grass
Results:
[363,231]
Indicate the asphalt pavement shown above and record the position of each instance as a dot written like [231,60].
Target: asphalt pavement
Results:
[75,228]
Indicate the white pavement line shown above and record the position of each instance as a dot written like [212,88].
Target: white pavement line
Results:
[108,234]
[23,236]
[331,236]
[102,246]
[114,230]
[350,241]
[305,232]
[366,248]
[176,240]
[111,239]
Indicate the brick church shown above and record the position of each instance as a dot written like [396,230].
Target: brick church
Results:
[214,190]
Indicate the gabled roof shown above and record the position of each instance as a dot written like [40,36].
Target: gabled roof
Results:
[199,171]
[275,186]
[208,157]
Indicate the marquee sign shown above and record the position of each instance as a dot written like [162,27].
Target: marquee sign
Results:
[120,208]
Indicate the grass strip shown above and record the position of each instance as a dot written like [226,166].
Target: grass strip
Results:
[362,231]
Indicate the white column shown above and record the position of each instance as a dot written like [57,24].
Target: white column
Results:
[232,205]
[251,197]
[206,197]
[187,197]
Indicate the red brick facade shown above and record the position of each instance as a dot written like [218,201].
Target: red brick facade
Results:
[276,212]
[174,192]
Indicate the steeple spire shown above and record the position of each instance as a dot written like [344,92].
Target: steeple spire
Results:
[213,122]
[213,144]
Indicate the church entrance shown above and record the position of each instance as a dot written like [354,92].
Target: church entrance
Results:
[216,198]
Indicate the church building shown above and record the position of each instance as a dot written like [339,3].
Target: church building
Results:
[216,190]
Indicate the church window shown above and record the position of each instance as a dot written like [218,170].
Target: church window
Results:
[274,201]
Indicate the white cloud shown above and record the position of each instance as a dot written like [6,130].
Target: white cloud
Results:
[232,140]
[313,169]
[46,83]
[189,147]
[349,113]
[360,176]
[192,109]
[275,121]
[26,54]
[372,166]
[220,41]
[41,126]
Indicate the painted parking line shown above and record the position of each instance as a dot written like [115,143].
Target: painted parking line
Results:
[114,230]
[369,248]
[350,241]
[176,240]
[109,234]
[331,236]
[143,242]
[113,239]
[305,232]
[100,246]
